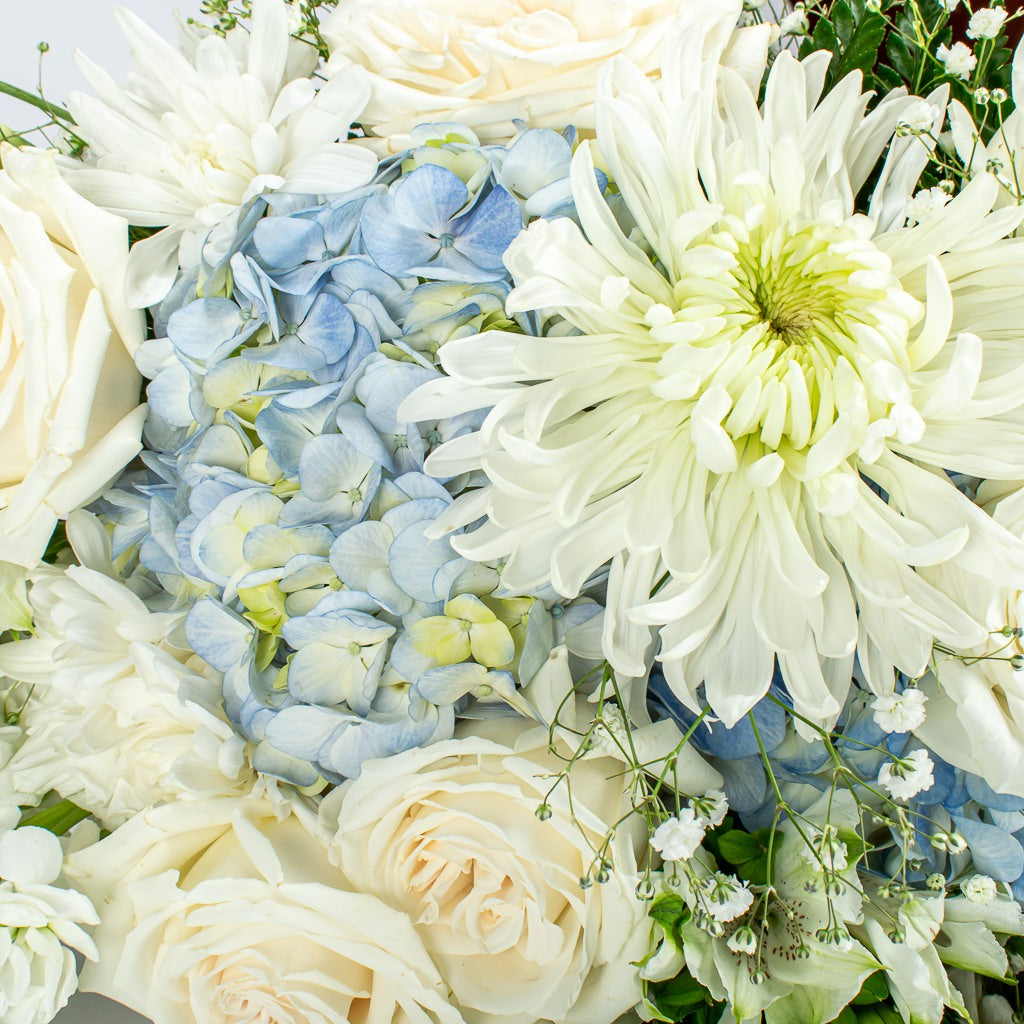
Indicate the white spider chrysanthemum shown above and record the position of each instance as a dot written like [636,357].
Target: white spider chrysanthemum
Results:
[751,404]
[198,131]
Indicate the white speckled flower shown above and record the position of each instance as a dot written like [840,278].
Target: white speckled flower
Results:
[751,405]
[199,130]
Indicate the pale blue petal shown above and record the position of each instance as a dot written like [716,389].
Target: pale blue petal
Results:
[218,635]
[285,242]
[994,852]
[450,683]
[330,465]
[269,760]
[483,234]
[427,199]
[201,329]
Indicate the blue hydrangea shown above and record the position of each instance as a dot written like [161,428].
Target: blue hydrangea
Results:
[284,498]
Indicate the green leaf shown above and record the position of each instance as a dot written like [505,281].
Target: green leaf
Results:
[846,1017]
[738,847]
[860,52]
[668,908]
[903,63]
[669,911]
[681,992]
[58,542]
[856,847]
[843,21]
[754,871]
[824,37]
[874,990]
[57,819]
[879,1014]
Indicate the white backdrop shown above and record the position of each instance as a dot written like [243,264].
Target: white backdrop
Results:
[67,24]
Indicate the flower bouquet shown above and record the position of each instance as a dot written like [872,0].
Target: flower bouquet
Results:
[514,511]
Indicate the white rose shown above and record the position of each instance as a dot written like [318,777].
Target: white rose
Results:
[218,912]
[115,721]
[486,64]
[70,417]
[450,835]
[38,922]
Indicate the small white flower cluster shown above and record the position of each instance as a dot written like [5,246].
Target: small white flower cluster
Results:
[907,776]
[958,60]
[986,23]
[900,712]
[923,206]
[679,837]
[795,23]
[979,889]
[723,897]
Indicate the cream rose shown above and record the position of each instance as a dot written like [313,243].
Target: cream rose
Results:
[450,835]
[219,912]
[486,64]
[70,417]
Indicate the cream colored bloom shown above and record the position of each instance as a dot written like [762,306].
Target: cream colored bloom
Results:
[749,416]
[70,417]
[450,836]
[199,130]
[116,721]
[486,64]
[217,911]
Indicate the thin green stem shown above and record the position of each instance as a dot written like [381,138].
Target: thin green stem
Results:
[36,101]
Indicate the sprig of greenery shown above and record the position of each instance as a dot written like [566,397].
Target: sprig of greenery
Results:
[894,44]
[224,16]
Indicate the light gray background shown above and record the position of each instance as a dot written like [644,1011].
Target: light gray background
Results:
[87,25]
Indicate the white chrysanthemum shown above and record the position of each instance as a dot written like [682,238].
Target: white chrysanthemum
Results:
[198,131]
[38,922]
[116,721]
[752,410]
[488,64]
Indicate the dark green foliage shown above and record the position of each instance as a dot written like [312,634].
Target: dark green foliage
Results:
[747,853]
[894,45]
[58,543]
